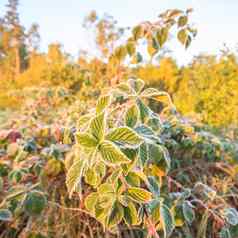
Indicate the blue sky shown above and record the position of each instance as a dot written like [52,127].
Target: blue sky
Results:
[61,20]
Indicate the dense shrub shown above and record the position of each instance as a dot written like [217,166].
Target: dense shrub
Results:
[128,170]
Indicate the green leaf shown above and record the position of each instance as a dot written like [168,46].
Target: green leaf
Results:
[111,154]
[137,32]
[148,134]
[34,203]
[143,153]
[91,177]
[101,214]
[182,36]
[106,201]
[74,176]
[115,215]
[158,153]
[155,211]
[162,36]
[182,21]
[102,103]
[188,212]
[155,123]
[124,136]
[131,116]
[155,43]
[124,88]
[120,52]
[153,93]
[84,119]
[139,57]
[154,186]
[97,126]
[178,215]
[139,195]
[90,202]
[192,31]
[231,216]
[143,109]
[151,49]
[188,41]
[136,84]
[86,140]
[166,220]
[225,233]
[131,49]
[133,179]
[100,169]
[5,215]
[130,214]
[106,188]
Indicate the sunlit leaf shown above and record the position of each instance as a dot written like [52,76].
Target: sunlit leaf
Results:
[106,188]
[158,153]
[74,176]
[130,214]
[84,120]
[188,212]
[188,41]
[139,195]
[111,154]
[91,177]
[136,84]
[133,179]
[131,48]
[162,36]
[125,136]
[154,186]
[182,36]
[116,214]
[143,109]
[102,103]
[131,116]
[97,126]
[139,57]
[86,140]
[182,21]
[137,32]
[120,52]
[151,49]
[90,202]
[125,88]
[167,220]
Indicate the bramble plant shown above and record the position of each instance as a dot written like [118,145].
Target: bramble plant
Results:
[121,155]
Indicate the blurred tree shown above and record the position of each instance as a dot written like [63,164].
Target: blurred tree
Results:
[15,42]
